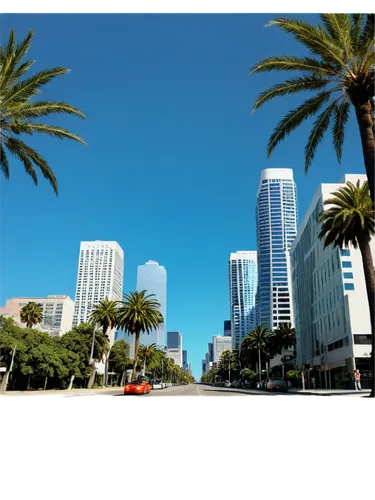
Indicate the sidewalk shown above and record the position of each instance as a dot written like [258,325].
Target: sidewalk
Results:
[58,392]
[330,392]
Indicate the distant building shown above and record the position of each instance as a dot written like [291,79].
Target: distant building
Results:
[211,351]
[227,328]
[57,311]
[332,317]
[185,364]
[204,368]
[221,344]
[174,348]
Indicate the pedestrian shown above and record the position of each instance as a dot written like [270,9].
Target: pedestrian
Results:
[357,380]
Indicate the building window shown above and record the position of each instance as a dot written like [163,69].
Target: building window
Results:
[362,339]
[349,286]
[346,264]
[348,276]
[345,252]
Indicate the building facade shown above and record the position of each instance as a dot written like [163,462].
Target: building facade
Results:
[185,364]
[174,348]
[57,312]
[220,345]
[100,275]
[243,278]
[276,221]
[332,317]
[227,328]
[210,351]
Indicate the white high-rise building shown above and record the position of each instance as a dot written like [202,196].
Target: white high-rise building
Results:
[221,344]
[242,293]
[332,317]
[276,220]
[100,276]
[57,312]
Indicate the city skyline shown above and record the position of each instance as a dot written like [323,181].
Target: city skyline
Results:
[166,190]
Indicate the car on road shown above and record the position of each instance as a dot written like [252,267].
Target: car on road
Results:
[227,384]
[137,387]
[158,384]
[277,385]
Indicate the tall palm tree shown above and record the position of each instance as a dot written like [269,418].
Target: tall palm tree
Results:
[228,361]
[138,313]
[285,337]
[259,339]
[105,315]
[350,220]
[31,314]
[341,72]
[18,110]
[146,353]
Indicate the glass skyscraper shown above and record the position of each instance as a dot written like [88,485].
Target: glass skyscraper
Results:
[153,278]
[242,291]
[276,219]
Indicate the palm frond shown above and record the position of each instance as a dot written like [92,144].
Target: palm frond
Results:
[31,127]
[321,125]
[293,63]
[295,117]
[43,108]
[355,30]
[17,150]
[368,29]
[4,162]
[341,116]
[315,39]
[290,87]
[338,27]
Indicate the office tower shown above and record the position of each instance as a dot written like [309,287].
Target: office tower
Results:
[221,344]
[57,312]
[208,362]
[100,276]
[211,351]
[276,219]
[332,317]
[153,278]
[204,368]
[227,328]
[174,347]
[242,292]
[184,361]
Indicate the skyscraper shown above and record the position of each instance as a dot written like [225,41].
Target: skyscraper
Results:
[153,278]
[276,219]
[185,364]
[242,292]
[100,275]
[227,328]
[174,347]
[211,351]
[221,344]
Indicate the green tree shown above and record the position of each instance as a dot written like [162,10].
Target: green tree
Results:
[260,340]
[31,314]
[146,353]
[18,109]
[105,314]
[285,337]
[349,220]
[138,313]
[119,358]
[341,72]
[228,363]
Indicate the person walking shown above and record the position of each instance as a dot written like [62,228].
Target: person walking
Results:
[357,380]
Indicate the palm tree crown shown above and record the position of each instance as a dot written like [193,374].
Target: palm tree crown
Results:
[259,338]
[341,73]
[31,314]
[350,218]
[105,314]
[18,110]
[285,335]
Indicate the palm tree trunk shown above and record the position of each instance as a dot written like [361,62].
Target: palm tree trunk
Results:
[144,367]
[29,383]
[92,378]
[260,366]
[136,344]
[365,123]
[71,383]
[4,382]
[282,362]
[45,383]
[368,269]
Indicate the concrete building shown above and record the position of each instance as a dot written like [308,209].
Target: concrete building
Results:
[100,275]
[174,348]
[57,312]
[332,318]
[276,220]
[242,294]
[221,344]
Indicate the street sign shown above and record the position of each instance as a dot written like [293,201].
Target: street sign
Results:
[3,369]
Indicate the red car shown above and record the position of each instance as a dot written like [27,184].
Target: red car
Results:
[137,387]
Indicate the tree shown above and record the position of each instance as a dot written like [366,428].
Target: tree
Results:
[138,313]
[259,340]
[18,109]
[342,75]
[146,354]
[119,357]
[228,361]
[105,314]
[285,337]
[31,314]
[350,221]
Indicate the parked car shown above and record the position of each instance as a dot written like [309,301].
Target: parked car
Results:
[227,384]
[157,384]
[219,384]
[137,387]
[277,385]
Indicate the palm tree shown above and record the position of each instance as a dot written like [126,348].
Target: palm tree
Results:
[285,337]
[146,353]
[18,110]
[350,221]
[259,339]
[105,314]
[342,75]
[138,313]
[228,361]
[31,314]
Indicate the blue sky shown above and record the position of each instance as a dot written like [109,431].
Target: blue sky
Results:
[174,157]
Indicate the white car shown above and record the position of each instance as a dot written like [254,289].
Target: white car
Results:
[158,384]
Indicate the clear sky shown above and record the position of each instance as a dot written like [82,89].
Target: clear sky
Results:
[174,156]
